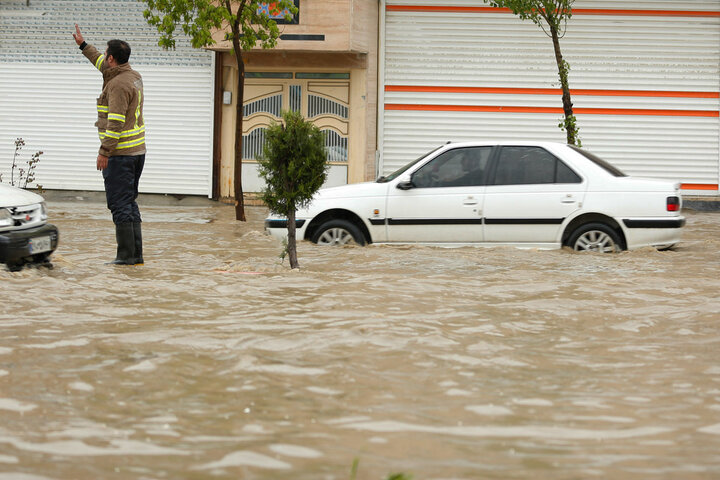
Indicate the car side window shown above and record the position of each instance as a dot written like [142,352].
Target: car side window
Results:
[460,167]
[564,174]
[531,165]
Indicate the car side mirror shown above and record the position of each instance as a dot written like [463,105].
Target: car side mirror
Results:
[405,183]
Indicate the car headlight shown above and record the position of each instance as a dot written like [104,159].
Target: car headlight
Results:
[43,211]
[6,219]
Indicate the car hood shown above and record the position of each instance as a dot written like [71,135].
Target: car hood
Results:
[16,197]
[366,189]
[329,197]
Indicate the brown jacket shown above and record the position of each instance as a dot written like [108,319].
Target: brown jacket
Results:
[120,122]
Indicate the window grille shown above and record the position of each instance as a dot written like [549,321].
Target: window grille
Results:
[252,146]
[320,106]
[295,97]
[335,147]
[271,105]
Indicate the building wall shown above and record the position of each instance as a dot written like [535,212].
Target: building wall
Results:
[645,78]
[331,19]
[48,91]
[349,45]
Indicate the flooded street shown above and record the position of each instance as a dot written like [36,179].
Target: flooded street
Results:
[215,360]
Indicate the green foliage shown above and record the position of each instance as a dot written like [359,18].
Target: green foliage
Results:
[553,13]
[392,476]
[399,476]
[285,251]
[551,16]
[200,18]
[293,163]
[25,175]
[354,468]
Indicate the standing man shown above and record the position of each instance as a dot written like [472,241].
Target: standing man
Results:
[121,127]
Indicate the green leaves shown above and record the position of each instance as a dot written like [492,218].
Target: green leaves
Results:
[551,16]
[293,163]
[200,18]
[553,13]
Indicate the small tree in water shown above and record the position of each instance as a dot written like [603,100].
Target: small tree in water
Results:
[294,168]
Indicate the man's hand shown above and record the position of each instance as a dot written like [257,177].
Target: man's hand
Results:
[102,162]
[78,36]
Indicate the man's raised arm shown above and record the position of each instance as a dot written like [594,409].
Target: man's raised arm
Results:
[90,52]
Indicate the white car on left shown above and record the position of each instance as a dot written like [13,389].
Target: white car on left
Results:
[25,235]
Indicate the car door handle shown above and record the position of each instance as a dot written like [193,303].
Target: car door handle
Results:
[568,199]
[470,201]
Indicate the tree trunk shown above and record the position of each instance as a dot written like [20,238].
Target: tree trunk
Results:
[237,178]
[570,125]
[292,240]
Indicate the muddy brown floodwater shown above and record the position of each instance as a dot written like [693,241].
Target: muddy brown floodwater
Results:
[216,361]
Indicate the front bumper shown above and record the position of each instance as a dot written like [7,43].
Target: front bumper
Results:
[277,227]
[16,246]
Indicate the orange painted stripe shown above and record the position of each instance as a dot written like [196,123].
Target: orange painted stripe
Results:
[552,91]
[647,111]
[575,11]
[442,8]
[556,110]
[698,186]
[646,13]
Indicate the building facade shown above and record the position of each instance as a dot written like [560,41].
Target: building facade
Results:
[644,78]
[48,91]
[387,80]
[325,66]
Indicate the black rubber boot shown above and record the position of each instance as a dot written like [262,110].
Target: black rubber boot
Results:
[125,245]
[137,230]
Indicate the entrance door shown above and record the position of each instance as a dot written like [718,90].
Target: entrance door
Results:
[322,98]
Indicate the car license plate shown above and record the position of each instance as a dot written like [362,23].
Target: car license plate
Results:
[40,245]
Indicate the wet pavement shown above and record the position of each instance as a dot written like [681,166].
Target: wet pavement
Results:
[215,360]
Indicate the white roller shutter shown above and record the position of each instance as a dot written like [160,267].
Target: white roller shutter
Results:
[645,86]
[48,93]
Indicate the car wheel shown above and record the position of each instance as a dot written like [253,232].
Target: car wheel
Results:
[595,237]
[15,266]
[42,260]
[338,232]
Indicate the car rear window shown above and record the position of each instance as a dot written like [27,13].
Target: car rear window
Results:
[614,171]
[527,165]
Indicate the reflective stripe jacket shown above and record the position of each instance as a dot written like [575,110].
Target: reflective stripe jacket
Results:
[120,122]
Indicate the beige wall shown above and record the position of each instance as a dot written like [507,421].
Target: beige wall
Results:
[343,22]
[351,36]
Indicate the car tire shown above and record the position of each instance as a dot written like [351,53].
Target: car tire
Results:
[42,260]
[338,232]
[595,237]
[15,266]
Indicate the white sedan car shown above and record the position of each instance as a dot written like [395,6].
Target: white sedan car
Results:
[527,194]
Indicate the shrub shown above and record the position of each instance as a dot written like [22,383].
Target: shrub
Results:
[294,168]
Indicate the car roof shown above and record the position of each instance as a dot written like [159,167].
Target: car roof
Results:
[533,143]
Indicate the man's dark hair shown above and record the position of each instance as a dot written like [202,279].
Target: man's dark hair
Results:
[119,49]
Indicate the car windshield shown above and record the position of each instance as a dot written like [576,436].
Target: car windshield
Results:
[400,171]
[616,172]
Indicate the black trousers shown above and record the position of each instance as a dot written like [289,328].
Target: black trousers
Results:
[122,177]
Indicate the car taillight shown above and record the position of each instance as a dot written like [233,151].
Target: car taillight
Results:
[673,204]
